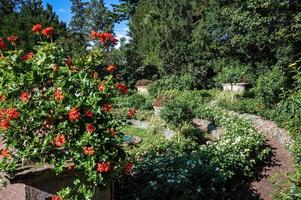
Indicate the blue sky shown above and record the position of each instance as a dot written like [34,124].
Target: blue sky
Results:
[62,9]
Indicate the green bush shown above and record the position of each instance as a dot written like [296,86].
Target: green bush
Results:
[181,108]
[136,101]
[269,87]
[122,114]
[234,74]
[173,82]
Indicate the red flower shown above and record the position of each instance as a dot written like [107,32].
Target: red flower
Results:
[122,87]
[54,197]
[128,167]
[89,114]
[94,35]
[48,32]
[68,61]
[90,128]
[112,132]
[89,151]
[104,167]
[74,114]
[5,124]
[2,98]
[24,97]
[27,56]
[111,68]
[58,95]
[107,107]
[107,38]
[101,87]
[37,28]
[12,113]
[5,153]
[59,140]
[2,44]
[132,112]
[12,39]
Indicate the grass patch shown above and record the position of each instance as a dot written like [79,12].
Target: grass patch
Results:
[148,139]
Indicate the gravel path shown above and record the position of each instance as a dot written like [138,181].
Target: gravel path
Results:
[276,171]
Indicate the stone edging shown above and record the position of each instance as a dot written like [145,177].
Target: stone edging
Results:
[268,128]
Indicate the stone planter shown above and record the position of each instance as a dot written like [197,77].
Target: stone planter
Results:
[235,87]
[157,110]
[40,182]
[142,89]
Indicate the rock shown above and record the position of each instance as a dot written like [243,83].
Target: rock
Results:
[208,127]
[20,191]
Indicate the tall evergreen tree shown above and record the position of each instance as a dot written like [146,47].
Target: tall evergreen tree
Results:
[99,17]
[78,24]
[22,15]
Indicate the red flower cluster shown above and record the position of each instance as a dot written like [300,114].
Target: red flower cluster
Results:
[5,153]
[107,38]
[101,87]
[112,132]
[48,32]
[132,112]
[58,95]
[107,107]
[7,115]
[2,44]
[104,38]
[90,128]
[122,87]
[104,167]
[94,35]
[69,61]
[74,114]
[37,28]
[59,140]
[5,124]
[12,39]
[2,98]
[111,68]
[89,151]
[12,113]
[128,167]
[24,97]
[27,56]
[89,114]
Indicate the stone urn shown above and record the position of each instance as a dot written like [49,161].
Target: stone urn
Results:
[142,89]
[142,86]
[235,87]
[40,182]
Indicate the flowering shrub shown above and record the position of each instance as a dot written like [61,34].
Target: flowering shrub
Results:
[53,110]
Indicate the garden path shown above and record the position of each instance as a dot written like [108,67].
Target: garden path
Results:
[274,175]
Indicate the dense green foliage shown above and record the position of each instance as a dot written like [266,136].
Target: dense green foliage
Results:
[202,37]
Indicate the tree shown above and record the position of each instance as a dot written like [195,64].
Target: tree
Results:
[99,17]
[22,15]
